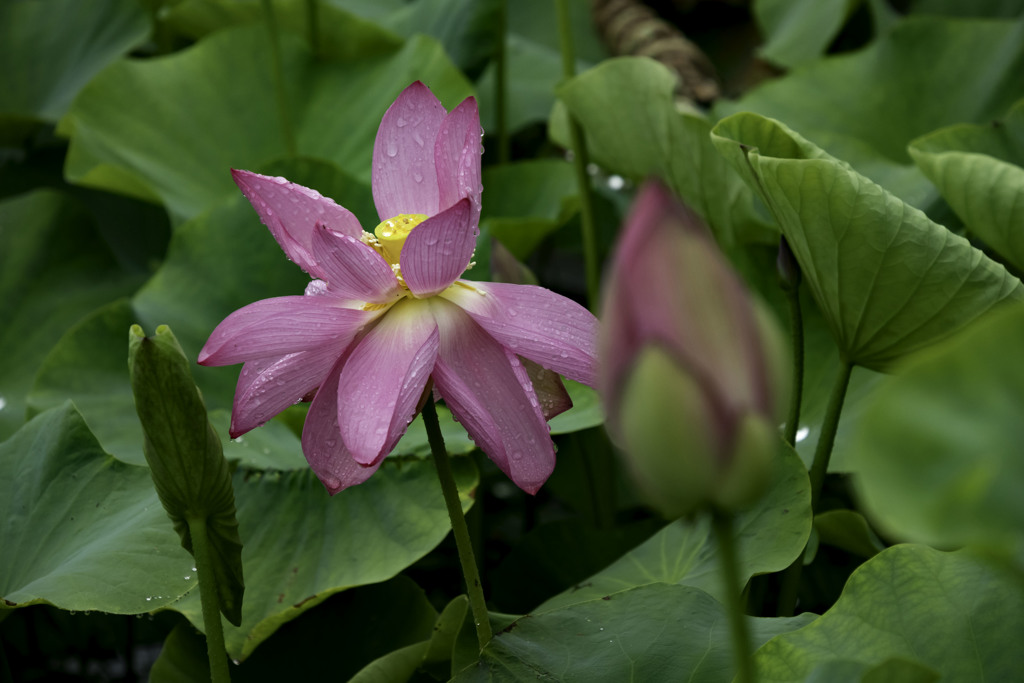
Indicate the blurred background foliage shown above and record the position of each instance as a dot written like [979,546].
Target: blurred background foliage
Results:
[119,122]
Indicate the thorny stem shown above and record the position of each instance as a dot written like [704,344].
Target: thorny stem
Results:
[721,522]
[462,541]
[579,150]
[819,467]
[210,602]
[277,67]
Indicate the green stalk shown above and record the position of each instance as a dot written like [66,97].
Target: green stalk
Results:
[211,603]
[721,523]
[797,333]
[500,84]
[277,67]
[579,151]
[789,280]
[829,426]
[790,586]
[462,541]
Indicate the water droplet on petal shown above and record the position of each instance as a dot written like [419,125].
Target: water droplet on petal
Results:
[401,122]
[392,148]
[418,177]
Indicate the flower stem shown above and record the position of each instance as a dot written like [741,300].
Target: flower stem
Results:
[797,328]
[721,523]
[789,279]
[819,467]
[277,67]
[210,603]
[579,151]
[500,85]
[462,541]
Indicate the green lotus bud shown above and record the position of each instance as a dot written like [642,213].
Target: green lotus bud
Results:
[185,458]
[664,413]
[693,368]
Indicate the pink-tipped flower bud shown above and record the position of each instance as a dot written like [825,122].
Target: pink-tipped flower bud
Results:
[693,373]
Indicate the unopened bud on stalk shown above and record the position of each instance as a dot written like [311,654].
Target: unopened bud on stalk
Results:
[693,369]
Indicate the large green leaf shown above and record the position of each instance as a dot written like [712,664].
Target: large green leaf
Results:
[939,449]
[534,62]
[339,33]
[314,545]
[627,109]
[558,555]
[347,29]
[534,71]
[799,31]
[45,62]
[925,73]
[848,530]
[433,654]
[892,670]
[888,280]
[88,367]
[147,127]
[369,620]
[946,611]
[586,411]
[468,29]
[977,8]
[770,534]
[526,201]
[81,530]
[648,633]
[54,270]
[980,171]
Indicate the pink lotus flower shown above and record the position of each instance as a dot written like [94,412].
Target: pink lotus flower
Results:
[385,313]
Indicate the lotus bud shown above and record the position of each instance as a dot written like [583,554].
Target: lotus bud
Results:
[693,370]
